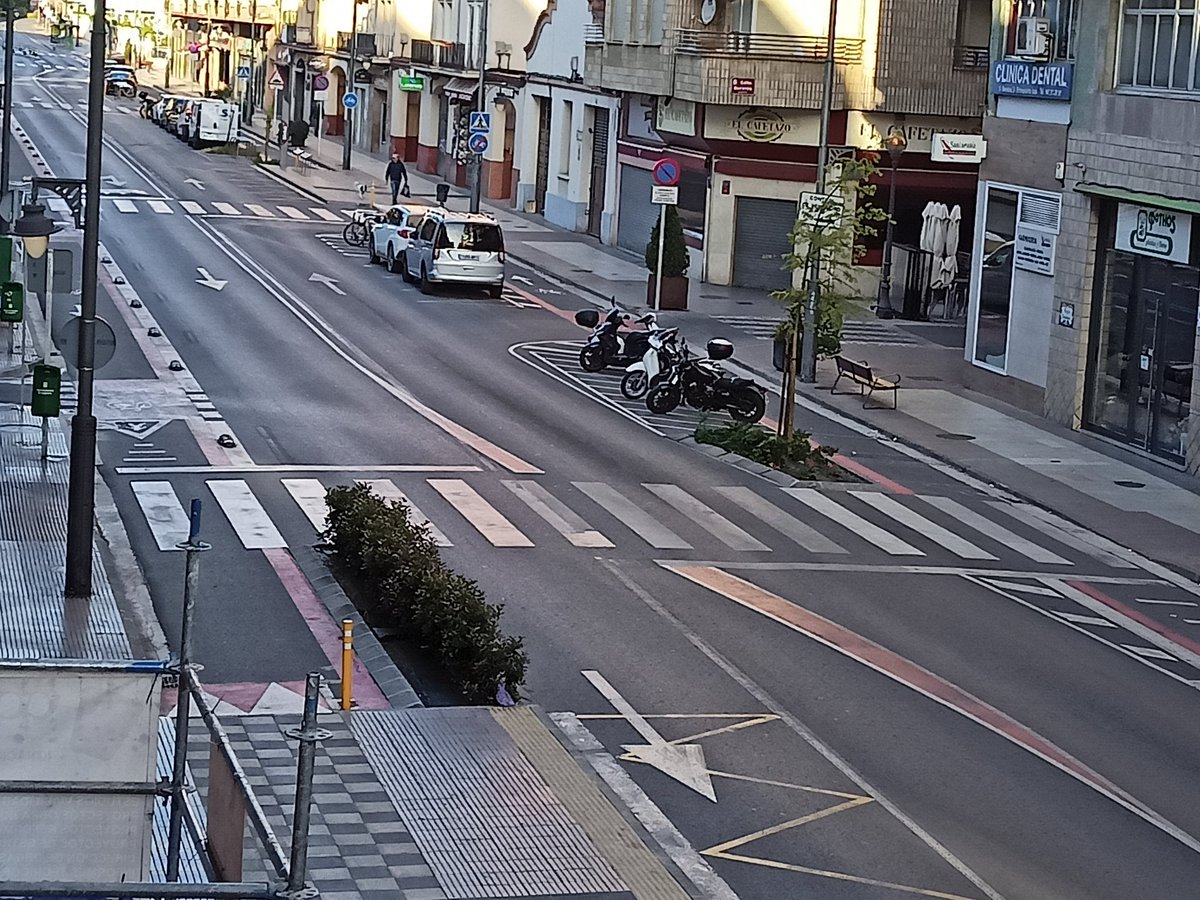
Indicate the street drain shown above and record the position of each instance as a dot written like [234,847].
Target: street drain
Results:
[1130,484]
[951,436]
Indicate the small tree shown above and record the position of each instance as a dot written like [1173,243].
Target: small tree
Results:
[675,252]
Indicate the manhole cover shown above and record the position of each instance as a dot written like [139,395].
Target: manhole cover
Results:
[1130,484]
[921,378]
[951,436]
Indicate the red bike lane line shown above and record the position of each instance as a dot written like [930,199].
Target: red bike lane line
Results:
[911,675]
[1190,648]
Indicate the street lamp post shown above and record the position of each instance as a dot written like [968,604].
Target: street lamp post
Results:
[480,101]
[348,131]
[6,139]
[81,490]
[895,144]
[34,229]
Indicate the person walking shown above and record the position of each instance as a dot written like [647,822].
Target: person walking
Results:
[397,175]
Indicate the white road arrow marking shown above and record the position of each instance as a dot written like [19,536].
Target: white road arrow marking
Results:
[196,183]
[521,278]
[208,281]
[330,283]
[683,762]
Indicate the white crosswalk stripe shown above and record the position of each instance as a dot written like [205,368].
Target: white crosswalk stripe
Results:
[807,537]
[868,531]
[998,533]
[707,518]
[486,519]
[292,213]
[260,210]
[632,516]
[163,512]
[388,491]
[227,209]
[160,206]
[324,214]
[192,207]
[560,517]
[893,509]
[309,495]
[125,206]
[250,521]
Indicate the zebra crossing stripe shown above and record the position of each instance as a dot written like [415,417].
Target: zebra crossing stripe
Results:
[161,207]
[292,213]
[250,521]
[486,519]
[125,206]
[309,495]
[632,516]
[559,516]
[707,518]
[260,210]
[1065,533]
[192,207]
[789,526]
[163,512]
[228,209]
[324,214]
[997,533]
[893,510]
[388,491]
[868,531]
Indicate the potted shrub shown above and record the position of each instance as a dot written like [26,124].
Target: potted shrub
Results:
[675,264]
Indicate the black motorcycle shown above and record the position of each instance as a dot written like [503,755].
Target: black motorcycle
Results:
[702,384]
[607,346]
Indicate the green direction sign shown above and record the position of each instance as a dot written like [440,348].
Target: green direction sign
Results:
[412,82]
[47,390]
[12,302]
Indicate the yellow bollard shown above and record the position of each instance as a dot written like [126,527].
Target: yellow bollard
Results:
[347,662]
[372,195]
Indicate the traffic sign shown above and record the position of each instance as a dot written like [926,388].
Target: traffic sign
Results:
[666,172]
[243,72]
[481,121]
[320,82]
[477,142]
[276,82]
[350,100]
[664,195]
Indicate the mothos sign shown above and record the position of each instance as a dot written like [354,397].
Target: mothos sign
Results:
[1148,231]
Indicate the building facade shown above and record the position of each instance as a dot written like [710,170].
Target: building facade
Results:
[733,91]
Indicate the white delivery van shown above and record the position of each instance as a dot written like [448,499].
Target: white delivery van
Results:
[212,122]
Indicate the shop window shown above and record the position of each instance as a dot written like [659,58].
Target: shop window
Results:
[1158,45]
[995,279]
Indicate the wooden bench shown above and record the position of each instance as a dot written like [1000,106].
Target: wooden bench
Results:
[868,382]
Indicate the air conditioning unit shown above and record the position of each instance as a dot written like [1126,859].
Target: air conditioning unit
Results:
[1033,37]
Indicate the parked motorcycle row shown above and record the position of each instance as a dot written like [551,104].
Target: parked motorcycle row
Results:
[660,367]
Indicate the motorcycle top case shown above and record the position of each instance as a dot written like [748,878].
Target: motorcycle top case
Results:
[587,318]
[719,348]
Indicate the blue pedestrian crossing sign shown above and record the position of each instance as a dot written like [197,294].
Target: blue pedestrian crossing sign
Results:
[481,121]
[243,72]
[477,142]
[350,100]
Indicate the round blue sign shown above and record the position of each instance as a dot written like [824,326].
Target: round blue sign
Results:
[666,172]
[477,142]
[350,100]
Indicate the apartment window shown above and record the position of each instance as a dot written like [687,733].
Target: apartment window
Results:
[1158,45]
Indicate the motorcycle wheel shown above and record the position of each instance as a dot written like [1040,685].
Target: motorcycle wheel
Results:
[591,359]
[663,398]
[634,385]
[747,405]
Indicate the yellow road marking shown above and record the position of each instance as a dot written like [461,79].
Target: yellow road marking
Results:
[839,876]
[785,826]
[786,784]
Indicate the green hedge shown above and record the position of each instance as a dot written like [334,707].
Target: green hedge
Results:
[396,564]
[797,455]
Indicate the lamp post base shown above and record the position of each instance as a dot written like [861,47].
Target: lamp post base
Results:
[81,506]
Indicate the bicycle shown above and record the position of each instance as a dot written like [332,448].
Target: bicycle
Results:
[358,231]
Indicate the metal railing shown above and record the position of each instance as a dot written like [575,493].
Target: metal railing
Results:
[699,42]
[971,57]
[422,53]
[452,56]
[232,10]
[593,33]
[365,43]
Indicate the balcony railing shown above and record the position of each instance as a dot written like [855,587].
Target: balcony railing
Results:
[422,53]
[971,57]
[230,10]
[700,42]
[365,45]
[593,33]
[452,56]
[439,54]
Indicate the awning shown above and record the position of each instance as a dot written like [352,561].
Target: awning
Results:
[460,88]
[1140,199]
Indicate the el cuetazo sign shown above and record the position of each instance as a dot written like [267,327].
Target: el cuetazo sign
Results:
[1149,231]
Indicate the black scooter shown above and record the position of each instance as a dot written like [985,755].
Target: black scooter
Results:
[702,384]
[607,347]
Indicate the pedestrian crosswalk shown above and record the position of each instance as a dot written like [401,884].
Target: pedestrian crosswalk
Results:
[516,514]
[163,206]
[853,332]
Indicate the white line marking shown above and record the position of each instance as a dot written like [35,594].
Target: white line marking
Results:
[1023,588]
[228,209]
[125,206]
[884,540]
[163,511]
[997,533]
[292,213]
[324,214]
[900,513]
[1167,602]
[808,538]
[252,467]
[1150,652]
[1093,621]
[486,519]
[710,520]
[388,491]
[1064,532]
[309,495]
[253,526]
[191,207]
[160,207]
[260,210]
[632,516]
[560,517]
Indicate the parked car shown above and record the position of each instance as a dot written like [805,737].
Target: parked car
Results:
[458,248]
[206,122]
[391,237]
[171,110]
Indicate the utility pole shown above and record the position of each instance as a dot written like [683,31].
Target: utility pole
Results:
[6,139]
[348,133]
[480,104]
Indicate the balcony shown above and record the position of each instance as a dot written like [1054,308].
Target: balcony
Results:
[364,46]
[422,53]
[697,42]
[452,55]
[971,57]
[261,12]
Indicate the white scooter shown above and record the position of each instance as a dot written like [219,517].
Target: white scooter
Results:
[657,358]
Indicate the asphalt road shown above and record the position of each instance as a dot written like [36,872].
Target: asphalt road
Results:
[932,709]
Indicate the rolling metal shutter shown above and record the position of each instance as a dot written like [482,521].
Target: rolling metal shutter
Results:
[760,242]
[635,219]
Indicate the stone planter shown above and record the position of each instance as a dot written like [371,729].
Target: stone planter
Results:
[674,292]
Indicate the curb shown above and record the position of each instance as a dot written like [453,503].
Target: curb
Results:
[387,675]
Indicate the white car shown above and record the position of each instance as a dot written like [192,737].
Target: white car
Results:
[390,238]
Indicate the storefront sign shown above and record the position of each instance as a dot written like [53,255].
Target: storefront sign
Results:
[1149,231]
[1033,251]
[760,125]
[1038,81]
[958,148]
[412,83]
[742,86]
[676,116]
[867,130]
